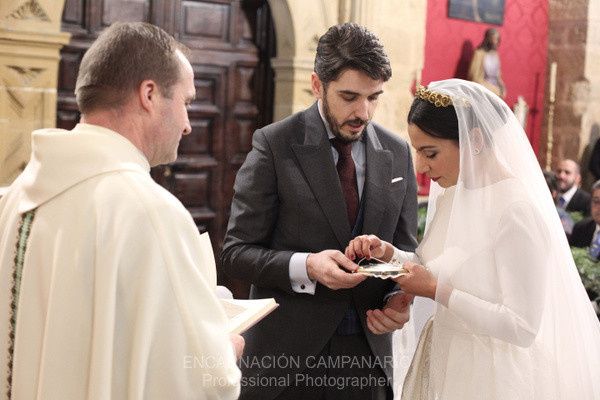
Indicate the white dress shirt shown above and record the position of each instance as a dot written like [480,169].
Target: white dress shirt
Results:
[568,195]
[297,268]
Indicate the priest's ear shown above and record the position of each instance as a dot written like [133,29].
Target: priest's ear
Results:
[147,94]
[476,140]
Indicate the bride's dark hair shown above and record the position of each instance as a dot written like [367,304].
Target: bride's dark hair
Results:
[440,122]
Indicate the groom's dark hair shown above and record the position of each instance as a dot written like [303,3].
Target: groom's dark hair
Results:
[351,46]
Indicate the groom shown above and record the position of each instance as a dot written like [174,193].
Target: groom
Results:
[310,184]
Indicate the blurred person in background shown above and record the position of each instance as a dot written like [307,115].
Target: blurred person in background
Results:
[485,67]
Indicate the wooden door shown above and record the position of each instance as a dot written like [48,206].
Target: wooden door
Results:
[231,45]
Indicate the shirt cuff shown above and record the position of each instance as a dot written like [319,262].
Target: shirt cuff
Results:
[400,257]
[446,295]
[299,279]
[390,294]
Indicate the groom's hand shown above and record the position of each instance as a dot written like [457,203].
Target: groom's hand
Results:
[367,246]
[333,269]
[393,316]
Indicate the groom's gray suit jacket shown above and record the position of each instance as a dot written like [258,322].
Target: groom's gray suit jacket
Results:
[288,198]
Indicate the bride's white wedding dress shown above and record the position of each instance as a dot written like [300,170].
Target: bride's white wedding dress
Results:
[405,340]
[486,327]
[511,320]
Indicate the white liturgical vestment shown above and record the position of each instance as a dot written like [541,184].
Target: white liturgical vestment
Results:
[117,293]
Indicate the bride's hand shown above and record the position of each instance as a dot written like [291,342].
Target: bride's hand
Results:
[419,281]
[368,246]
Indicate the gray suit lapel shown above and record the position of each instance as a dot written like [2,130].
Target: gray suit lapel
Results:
[316,161]
[377,181]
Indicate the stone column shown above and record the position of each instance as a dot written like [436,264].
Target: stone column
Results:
[592,65]
[300,23]
[298,26]
[30,41]
[405,45]
[567,41]
[587,97]
[292,85]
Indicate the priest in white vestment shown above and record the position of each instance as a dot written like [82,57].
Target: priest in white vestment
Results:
[106,287]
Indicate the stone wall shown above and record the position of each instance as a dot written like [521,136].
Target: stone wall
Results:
[568,38]
[591,113]
[405,44]
[587,100]
[300,23]
[30,40]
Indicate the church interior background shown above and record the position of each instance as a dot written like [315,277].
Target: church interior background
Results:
[253,59]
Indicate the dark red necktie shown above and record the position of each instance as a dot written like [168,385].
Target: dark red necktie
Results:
[347,173]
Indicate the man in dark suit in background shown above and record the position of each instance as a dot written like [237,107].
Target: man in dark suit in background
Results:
[310,184]
[571,196]
[586,232]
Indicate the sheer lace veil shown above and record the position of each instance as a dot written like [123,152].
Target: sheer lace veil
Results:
[513,294]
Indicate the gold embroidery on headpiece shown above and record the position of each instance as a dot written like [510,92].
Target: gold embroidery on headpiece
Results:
[437,99]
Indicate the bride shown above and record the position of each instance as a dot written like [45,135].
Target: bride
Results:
[511,319]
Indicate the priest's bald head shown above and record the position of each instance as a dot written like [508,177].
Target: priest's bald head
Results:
[136,80]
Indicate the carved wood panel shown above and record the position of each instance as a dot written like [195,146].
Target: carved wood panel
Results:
[125,11]
[73,12]
[231,44]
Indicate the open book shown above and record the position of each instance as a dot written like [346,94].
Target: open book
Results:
[243,314]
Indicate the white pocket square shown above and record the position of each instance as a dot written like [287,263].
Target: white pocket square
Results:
[398,179]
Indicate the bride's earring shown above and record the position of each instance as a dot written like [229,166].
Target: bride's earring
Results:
[476,141]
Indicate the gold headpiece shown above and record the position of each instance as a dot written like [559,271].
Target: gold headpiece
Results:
[437,99]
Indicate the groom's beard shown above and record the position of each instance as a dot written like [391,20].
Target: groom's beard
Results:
[336,127]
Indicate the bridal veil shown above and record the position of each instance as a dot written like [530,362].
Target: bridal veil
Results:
[516,321]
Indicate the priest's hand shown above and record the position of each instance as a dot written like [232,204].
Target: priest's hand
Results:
[333,269]
[238,343]
[419,281]
[367,246]
[393,316]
